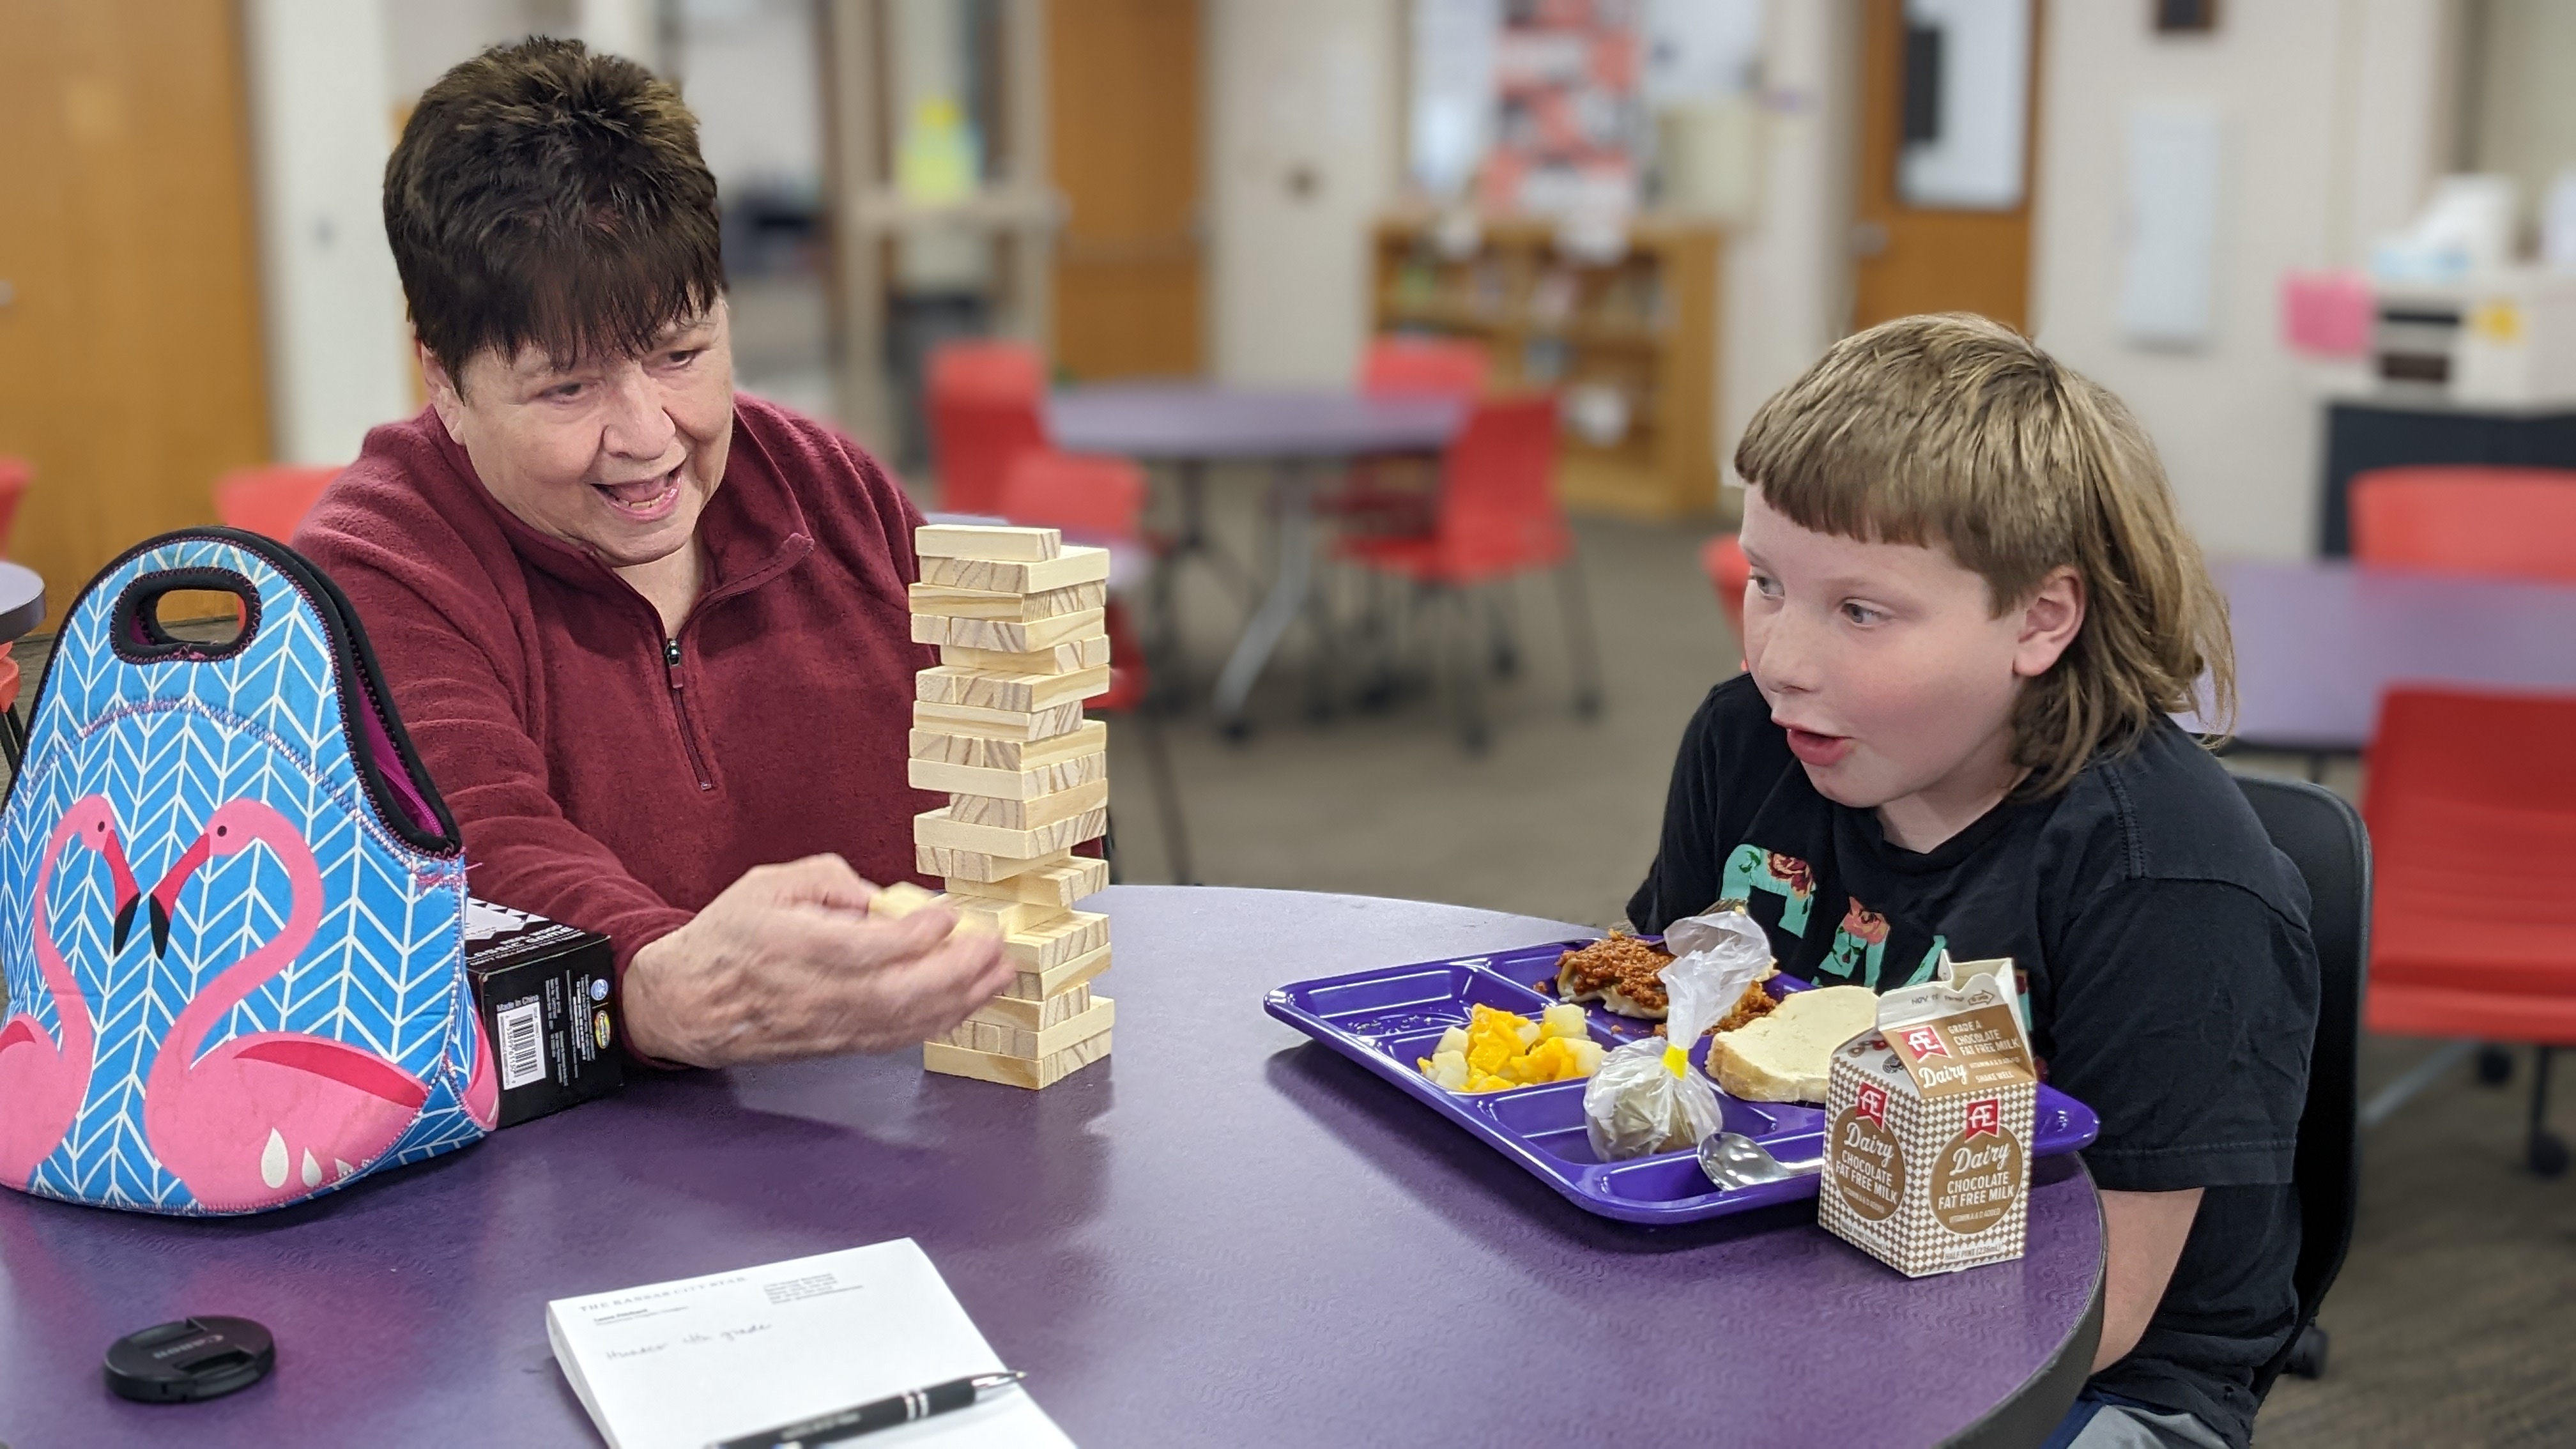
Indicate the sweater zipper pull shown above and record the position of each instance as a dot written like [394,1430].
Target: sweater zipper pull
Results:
[680,712]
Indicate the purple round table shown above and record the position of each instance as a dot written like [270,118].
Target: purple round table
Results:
[1224,1237]
[2318,643]
[1191,425]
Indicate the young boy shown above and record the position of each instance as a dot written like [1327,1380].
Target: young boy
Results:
[1972,610]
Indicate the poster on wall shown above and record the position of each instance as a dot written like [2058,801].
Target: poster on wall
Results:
[1568,114]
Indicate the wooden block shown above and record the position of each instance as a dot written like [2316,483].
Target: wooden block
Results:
[1012,1041]
[1075,565]
[1055,980]
[987,541]
[985,752]
[1008,784]
[1057,885]
[1024,608]
[1035,1015]
[957,1061]
[1001,918]
[998,724]
[978,865]
[1089,652]
[1042,947]
[985,690]
[1002,634]
[936,828]
[1034,814]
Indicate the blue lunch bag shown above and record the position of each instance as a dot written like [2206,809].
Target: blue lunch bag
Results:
[232,905]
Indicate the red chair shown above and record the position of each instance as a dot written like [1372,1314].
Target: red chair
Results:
[1398,364]
[270,501]
[1395,496]
[1102,501]
[986,406]
[1729,572]
[2471,803]
[1496,518]
[15,475]
[2512,522]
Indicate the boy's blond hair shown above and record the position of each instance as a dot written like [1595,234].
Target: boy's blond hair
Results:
[1956,432]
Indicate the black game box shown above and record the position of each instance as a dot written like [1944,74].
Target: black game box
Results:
[543,989]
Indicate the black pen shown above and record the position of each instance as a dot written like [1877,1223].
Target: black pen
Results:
[883,1414]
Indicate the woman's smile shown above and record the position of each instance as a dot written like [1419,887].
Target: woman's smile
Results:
[645,500]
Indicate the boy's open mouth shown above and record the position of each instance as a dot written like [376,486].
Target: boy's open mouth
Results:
[1816,749]
[645,500]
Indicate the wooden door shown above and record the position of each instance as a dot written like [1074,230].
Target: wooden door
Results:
[130,362]
[1910,259]
[1123,149]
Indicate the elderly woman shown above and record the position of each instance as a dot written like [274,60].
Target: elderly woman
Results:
[650,637]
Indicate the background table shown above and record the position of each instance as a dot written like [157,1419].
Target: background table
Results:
[2318,643]
[1226,1237]
[1191,426]
[22,600]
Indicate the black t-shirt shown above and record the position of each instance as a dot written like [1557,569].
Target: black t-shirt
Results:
[2172,986]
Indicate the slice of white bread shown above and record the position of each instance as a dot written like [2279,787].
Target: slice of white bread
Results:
[1782,1057]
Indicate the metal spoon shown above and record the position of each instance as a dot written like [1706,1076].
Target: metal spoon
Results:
[1733,1160]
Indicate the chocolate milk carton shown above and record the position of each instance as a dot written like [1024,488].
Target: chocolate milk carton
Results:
[1927,1161]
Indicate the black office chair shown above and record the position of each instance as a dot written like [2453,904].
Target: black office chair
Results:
[2323,836]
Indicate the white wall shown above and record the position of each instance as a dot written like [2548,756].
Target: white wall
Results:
[322,121]
[2337,114]
[1786,292]
[1308,86]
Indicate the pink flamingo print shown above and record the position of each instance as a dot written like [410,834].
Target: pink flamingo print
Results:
[266,1118]
[42,1083]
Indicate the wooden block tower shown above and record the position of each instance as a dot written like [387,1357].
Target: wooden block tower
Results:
[998,725]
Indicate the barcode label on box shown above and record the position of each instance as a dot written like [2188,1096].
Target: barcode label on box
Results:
[523,1043]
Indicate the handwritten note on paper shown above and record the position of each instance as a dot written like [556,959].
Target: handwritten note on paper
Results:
[682,1365]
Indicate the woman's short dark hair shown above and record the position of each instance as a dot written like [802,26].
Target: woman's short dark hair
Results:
[542,195]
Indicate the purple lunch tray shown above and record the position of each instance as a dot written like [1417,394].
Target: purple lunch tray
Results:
[1389,1018]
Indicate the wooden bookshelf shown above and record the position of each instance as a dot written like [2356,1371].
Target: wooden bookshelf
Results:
[1646,325]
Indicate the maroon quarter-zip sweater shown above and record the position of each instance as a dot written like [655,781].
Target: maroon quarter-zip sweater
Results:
[604,775]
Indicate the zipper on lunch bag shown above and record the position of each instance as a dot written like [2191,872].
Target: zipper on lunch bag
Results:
[680,713]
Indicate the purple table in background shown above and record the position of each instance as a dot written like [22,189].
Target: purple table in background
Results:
[1191,426]
[2318,643]
[1224,1237]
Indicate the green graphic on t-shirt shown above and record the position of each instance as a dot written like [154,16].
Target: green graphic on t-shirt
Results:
[1931,962]
[1860,943]
[1751,868]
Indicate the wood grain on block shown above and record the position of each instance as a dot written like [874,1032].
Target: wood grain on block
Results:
[1024,608]
[1075,933]
[1002,918]
[957,1061]
[999,724]
[950,685]
[988,541]
[1012,1041]
[1034,1015]
[1075,565]
[1007,784]
[1028,814]
[939,828]
[1003,634]
[1089,652]
[1056,885]
[978,865]
[985,752]
[1039,985]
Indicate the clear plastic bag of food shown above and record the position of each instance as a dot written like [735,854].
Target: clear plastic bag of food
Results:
[1646,1098]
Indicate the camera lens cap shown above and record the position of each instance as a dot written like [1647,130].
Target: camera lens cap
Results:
[194,1358]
